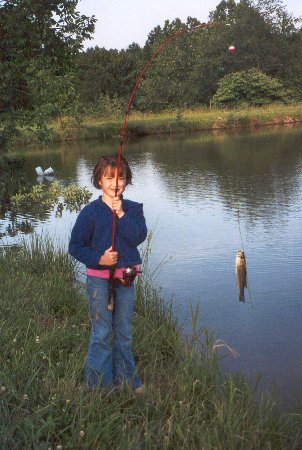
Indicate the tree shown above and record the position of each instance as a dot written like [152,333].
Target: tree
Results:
[249,88]
[171,80]
[49,34]
[265,36]
[276,14]
[107,73]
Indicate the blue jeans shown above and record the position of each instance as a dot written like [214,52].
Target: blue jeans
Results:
[106,364]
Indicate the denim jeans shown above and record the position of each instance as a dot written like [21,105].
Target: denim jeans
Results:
[110,361]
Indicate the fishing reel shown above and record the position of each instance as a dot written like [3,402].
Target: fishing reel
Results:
[129,275]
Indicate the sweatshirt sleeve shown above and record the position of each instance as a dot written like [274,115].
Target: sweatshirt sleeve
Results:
[132,226]
[80,245]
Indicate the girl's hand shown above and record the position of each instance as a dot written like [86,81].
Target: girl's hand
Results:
[117,206]
[109,258]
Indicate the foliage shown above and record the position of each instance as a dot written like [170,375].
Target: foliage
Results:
[173,78]
[104,76]
[48,195]
[186,72]
[52,94]
[249,88]
[105,107]
[11,179]
[37,53]
[275,14]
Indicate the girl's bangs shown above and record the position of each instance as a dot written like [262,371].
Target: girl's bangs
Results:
[110,171]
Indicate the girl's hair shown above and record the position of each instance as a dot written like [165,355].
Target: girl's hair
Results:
[110,162]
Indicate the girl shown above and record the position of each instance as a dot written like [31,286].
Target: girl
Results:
[90,244]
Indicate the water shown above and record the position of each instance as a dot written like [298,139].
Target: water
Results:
[205,197]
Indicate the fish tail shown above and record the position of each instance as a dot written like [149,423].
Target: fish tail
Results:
[241,296]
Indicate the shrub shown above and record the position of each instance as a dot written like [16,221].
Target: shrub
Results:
[249,88]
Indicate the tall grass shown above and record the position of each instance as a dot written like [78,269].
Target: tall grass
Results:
[170,122]
[44,404]
[186,120]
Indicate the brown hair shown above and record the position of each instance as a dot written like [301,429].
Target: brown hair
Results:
[110,161]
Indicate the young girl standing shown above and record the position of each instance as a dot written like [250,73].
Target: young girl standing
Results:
[90,243]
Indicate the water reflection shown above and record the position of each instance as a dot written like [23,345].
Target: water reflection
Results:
[261,176]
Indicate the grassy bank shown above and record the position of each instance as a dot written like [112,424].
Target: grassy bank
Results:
[44,405]
[170,122]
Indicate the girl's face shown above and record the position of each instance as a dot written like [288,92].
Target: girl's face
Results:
[108,183]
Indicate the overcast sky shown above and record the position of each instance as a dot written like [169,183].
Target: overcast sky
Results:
[121,22]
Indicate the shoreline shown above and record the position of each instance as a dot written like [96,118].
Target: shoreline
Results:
[70,129]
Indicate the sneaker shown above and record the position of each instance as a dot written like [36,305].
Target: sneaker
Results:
[139,390]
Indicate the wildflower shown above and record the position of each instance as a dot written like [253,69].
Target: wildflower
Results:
[82,433]
[14,340]
[25,397]
[67,401]
[59,447]
[3,389]
[73,326]
[37,339]
[53,397]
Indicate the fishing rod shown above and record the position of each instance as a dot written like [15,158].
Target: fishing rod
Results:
[181,32]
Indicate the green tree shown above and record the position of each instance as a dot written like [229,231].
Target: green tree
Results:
[171,79]
[264,34]
[187,71]
[249,88]
[44,33]
[107,74]
[275,13]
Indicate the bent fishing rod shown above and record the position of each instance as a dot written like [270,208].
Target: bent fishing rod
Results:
[181,32]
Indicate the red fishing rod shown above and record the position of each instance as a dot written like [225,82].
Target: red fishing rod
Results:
[120,150]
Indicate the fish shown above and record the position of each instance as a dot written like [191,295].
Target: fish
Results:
[241,274]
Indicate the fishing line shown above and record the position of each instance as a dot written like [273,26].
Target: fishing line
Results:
[120,150]
[181,32]
[241,238]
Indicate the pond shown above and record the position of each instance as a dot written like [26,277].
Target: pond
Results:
[206,196]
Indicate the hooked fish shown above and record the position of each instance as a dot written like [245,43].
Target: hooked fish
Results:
[241,274]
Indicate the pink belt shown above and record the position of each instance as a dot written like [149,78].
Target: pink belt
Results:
[118,273]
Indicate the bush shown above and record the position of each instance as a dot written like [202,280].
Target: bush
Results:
[249,88]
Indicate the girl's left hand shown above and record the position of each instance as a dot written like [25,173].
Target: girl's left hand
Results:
[117,206]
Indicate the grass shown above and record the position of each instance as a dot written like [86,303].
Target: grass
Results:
[188,404]
[170,122]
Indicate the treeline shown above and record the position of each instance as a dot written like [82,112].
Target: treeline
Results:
[188,71]
[45,74]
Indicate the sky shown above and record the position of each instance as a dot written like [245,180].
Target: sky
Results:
[122,22]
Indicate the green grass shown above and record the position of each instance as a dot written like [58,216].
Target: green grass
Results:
[170,122]
[178,121]
[188,404]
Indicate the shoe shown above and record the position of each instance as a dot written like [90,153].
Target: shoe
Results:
[139,390]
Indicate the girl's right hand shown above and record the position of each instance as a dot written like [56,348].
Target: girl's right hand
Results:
[109,258]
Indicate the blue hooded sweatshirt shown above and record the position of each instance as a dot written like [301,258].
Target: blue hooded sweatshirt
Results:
[91,235]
